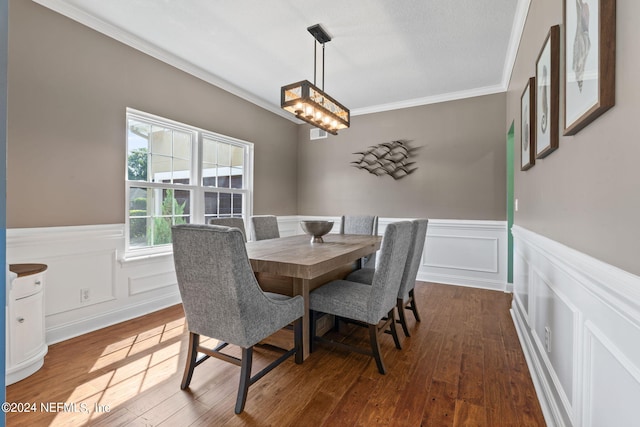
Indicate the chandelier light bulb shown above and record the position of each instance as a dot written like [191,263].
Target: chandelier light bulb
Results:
[309,111]
[310,103]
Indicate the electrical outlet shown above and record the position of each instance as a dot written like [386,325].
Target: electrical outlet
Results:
[84,295]
[547,339]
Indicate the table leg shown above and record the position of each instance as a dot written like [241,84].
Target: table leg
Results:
[301,287]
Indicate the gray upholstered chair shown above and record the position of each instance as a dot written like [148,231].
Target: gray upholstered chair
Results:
[230,222]
[264,227]
[361,224]
[222,300]
[406,295]
[372,305]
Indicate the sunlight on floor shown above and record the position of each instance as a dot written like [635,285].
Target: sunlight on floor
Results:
[125,369]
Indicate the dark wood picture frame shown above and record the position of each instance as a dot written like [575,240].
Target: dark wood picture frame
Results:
[589,61]
[528,125]
[547,95]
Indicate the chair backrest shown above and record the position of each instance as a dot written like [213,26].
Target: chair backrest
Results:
[388,273]
[264,227]
[230,222]
[418,237]
[359,224]
[219,291]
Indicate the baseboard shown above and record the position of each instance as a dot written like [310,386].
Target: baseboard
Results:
[468,281]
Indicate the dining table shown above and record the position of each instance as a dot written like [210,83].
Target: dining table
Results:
[293,265]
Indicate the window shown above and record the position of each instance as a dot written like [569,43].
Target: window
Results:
[178,174]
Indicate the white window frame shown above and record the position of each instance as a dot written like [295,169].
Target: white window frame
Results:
[197,204]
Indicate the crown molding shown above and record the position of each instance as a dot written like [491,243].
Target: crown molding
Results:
[416,102]
[519,20]
[110,30]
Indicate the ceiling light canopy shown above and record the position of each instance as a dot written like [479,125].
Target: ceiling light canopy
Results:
[310,103]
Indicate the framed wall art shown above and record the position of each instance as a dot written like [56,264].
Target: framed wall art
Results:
[547,95]
[527,125]
[589,61]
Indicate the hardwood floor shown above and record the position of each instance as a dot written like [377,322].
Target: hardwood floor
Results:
[462,366]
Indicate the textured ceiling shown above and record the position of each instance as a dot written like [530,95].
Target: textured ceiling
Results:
[384,54]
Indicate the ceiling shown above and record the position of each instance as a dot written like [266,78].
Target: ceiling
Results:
[384,54]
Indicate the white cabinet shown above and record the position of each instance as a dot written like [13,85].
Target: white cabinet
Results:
[26,345]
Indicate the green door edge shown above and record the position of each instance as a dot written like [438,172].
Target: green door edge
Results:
[510,201]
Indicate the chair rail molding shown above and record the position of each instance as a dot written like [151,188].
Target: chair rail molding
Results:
[578,320]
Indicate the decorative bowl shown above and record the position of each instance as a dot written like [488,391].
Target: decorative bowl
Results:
[316,229]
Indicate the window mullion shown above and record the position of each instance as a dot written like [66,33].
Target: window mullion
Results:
[197,199]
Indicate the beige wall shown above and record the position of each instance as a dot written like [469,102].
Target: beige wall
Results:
[68,89]
[461,164]
[586,194]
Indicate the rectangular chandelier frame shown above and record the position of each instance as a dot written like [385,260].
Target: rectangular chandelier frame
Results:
[311,104]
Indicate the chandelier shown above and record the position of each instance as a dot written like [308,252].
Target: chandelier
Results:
[310,103]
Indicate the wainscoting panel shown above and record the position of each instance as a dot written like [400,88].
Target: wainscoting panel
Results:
[604,405]
[553,320]
[578,320]
[88,260]
[521,283]
[93,272]
[467,253]
[152,282]
[463,253]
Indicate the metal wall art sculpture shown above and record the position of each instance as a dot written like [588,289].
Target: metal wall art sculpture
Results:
[389,158]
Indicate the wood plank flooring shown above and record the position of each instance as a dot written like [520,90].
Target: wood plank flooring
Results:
[462,366]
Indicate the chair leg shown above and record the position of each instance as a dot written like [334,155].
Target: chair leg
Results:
[392,326]
[297,339]
[245,379]
[403,320]
[190,364]
[336,323]
[375,348]
[313,318]
[412,306]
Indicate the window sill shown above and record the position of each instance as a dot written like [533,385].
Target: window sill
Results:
[131,258]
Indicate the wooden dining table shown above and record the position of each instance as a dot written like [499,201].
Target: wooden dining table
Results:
[293,265]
